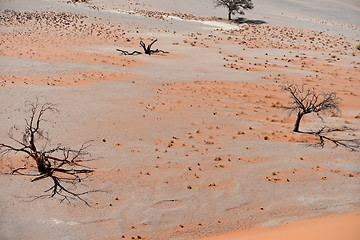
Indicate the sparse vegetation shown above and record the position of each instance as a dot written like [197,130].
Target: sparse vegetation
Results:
[234,6]
[358,47]
[307,100]
[60,164]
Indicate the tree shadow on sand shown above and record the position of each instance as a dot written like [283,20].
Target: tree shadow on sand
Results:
[242,20]
[326,134]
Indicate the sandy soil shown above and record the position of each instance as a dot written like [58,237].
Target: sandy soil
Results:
[339,227]
[190,144]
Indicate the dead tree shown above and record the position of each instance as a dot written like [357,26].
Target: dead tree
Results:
[60,164]
[147,49]
[305,101]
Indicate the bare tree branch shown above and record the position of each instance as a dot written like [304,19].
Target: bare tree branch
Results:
[61,164]
[305,101]
[128,53]
[147,49]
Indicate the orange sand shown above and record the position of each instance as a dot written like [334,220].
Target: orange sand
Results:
[346,227]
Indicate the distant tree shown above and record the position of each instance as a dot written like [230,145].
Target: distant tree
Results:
[234,6]
[305,101]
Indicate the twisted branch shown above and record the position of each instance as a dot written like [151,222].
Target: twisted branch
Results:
[147,49]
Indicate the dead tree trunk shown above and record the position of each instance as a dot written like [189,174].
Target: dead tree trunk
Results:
[147,50]
[297,123]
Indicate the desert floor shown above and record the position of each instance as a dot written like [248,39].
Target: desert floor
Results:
[187,144]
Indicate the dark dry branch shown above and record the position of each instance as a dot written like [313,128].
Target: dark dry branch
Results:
[123,52]
[147,49]
[83,1]
[305,101]
[61,164]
